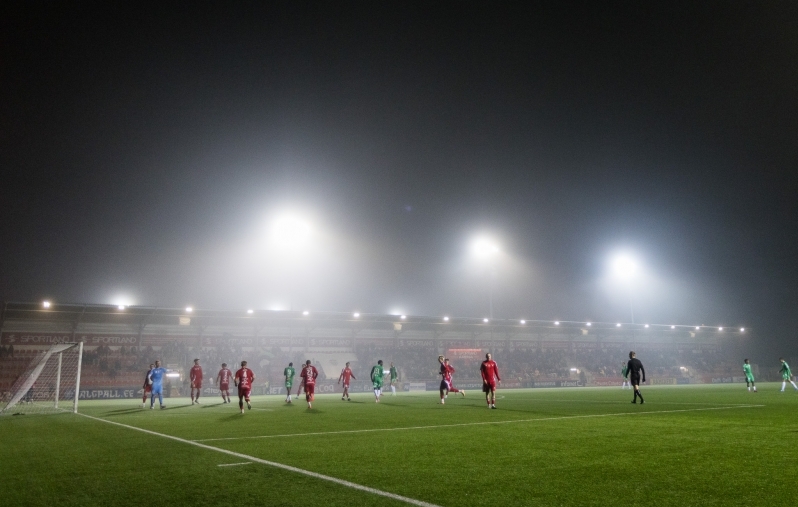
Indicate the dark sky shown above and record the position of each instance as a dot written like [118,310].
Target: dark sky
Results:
[145,150]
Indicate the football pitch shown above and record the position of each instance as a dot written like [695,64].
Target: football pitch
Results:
[687,445]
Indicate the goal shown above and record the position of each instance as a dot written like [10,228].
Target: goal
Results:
[50,383]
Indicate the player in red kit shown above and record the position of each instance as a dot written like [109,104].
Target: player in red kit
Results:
[346,374]
[244,379]
[308,375]
[147,386]
[223,378]
[447,370]
[490,376]
[195,375]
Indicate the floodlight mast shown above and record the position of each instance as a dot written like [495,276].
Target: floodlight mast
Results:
[486,250]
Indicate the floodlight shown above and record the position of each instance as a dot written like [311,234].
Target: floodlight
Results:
[356,315]
[446,319]
[306,313]
[589,324]
[697,328]
[484,248]
[646,326]
[742,329]
[556,322]
[290,231]
[485,321]
[523,322]
[618,325]
[121,307]
[403,317]
[624,266]
[172,375]
[46,304]
[189,309]
[673,327]
[250,311]
[720,329]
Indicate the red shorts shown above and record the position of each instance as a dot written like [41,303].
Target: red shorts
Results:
[310,388]
[224,387]
[196,385]
[244,391]
[346,386]
[488,387]
[148,388]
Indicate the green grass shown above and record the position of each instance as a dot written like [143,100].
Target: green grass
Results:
[581,446]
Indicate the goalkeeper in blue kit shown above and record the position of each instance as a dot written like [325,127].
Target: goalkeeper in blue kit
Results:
[156,381]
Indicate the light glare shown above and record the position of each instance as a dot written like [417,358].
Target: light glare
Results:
[46,304]
[484,247]
[189,309]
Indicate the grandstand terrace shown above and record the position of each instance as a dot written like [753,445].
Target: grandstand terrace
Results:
[120,343]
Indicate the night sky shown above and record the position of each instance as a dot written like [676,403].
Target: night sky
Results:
[146,151]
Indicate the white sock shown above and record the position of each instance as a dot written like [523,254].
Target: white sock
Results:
[783,385]
[793,384]
[393,389]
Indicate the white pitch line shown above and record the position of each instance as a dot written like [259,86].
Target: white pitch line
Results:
[434,426]
[235,464]
[411,501]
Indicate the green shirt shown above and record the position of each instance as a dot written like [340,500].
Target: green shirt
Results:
[785,370]
[377,372]
[747,370]
[393,373]
[625,371]
[289,374]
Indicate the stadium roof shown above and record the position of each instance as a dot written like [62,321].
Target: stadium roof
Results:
[146,315]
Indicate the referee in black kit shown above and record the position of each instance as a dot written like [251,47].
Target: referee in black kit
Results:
[635,369]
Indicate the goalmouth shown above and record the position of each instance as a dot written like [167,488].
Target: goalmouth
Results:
[49,384]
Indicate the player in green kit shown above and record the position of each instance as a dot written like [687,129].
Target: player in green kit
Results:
[625,375]
[394,376]
[377,372]
[749,376]
[786,375]
[289,373]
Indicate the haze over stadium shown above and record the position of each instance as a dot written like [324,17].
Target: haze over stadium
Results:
[147,158]
[555,184]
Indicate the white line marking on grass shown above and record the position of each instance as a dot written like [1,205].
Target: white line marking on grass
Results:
[235,464]
[411,501]
[434,426]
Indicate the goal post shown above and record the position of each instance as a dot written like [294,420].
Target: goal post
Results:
[52,376]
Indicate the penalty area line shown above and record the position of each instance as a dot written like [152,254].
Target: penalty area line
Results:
[481,423]
[315,475]
[234,464]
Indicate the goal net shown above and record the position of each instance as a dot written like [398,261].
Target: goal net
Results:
[50,383]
